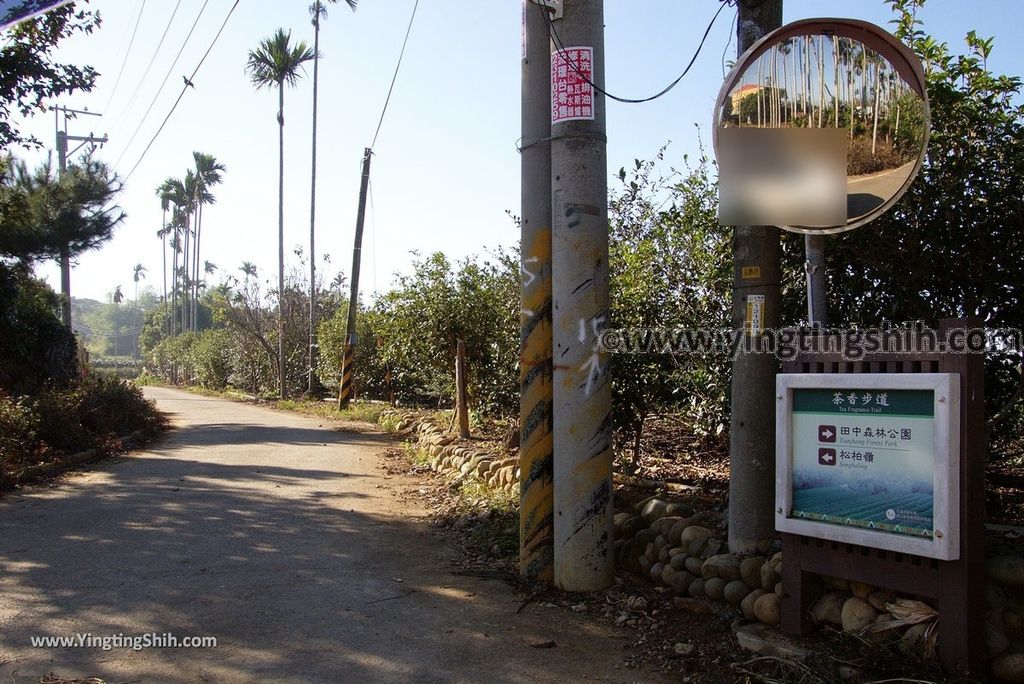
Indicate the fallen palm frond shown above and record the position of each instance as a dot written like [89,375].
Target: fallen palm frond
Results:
[906,613]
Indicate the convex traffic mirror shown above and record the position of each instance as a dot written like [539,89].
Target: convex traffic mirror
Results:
[820,127]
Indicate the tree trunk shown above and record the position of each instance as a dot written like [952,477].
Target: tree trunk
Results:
[461,398]
[280,241]
[135,320]
[874,114]
[174,288]
[163,226]
[195,280]
[184,278]
[821,82]
[312,208]
[835,70]
[637,441]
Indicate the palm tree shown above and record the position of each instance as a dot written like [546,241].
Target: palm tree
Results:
[177,195]
[277,62]
[208,173]
[318,11]
[116,297]
[164,192]
[139,273]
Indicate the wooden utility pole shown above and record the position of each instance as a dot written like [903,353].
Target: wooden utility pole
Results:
[348,357]
[536,489]
[62,166]
[582,392]
[755,302]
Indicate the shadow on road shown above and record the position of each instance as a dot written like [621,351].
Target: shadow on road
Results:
[304,571]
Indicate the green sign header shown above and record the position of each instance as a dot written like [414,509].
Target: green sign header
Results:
[869,402]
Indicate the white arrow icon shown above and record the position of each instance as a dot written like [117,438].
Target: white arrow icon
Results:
[827,435]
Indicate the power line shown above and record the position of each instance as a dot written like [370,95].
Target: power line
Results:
[565,55]
[395,76]
[732,32]
[164,82]
[149,66]
[183,89]
[127,52]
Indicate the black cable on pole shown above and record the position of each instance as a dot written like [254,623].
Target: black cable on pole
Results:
[149,66]
[732,32]
[163,83]
[560,47]
[395,76]
[127,52]
[183,89]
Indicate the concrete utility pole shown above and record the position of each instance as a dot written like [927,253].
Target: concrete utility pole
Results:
[582,393]
[817,299]
[536,489]
[755,299]
[62,166]
[348,358]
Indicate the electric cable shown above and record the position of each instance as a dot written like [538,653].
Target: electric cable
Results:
[149,66]
[395,76]
[164,82]
[732,32]
[127,52]
[183,89]
[560,48]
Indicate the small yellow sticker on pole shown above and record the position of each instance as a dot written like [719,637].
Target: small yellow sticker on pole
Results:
[754,323]
[750,272]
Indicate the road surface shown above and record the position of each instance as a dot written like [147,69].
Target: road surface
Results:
[865,193]
[286,542]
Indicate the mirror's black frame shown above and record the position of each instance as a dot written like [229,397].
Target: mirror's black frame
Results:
[907,66]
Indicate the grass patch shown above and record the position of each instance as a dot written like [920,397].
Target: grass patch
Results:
[359,411]
[495,525]
[145,378]
[415,454]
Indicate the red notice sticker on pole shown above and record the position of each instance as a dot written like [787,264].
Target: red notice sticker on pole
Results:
[572,95]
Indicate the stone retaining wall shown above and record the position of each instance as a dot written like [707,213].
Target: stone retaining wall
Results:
[457,458]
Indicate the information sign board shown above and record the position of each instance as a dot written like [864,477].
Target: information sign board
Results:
[870,459]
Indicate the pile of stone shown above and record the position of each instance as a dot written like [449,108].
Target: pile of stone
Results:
[459,459]
[686,550]
[1004,619]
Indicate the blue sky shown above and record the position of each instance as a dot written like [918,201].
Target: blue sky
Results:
[445,168]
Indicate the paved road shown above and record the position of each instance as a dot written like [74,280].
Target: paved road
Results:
[867,192]
[282,539]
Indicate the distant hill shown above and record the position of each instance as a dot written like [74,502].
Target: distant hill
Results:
[84,309]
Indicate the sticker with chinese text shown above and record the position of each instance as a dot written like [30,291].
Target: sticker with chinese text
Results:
[572,95]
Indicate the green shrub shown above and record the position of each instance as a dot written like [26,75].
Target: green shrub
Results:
[59,413]
[18,428]
[35,347]
[110,407]
[212,359]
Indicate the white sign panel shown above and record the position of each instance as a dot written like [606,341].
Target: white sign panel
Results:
[572,95]
[870,459]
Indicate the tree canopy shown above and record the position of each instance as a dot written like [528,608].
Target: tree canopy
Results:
[42,214]
[29,74]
